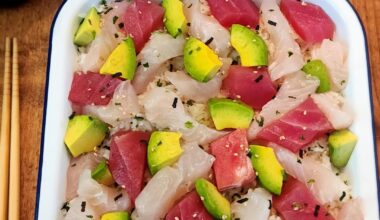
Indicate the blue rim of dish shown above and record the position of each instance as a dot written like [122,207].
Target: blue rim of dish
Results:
[38,191]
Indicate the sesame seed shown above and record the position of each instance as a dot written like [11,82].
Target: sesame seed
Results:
[224,216]
[202,198]
[305,112]
[236,154]
[238,96]
[227,145]
[195,215]
[282,138]
[176,218]
[256,155]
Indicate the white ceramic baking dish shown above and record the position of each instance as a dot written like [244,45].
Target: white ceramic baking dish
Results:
[362,168]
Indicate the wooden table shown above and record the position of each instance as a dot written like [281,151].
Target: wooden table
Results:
[31,24]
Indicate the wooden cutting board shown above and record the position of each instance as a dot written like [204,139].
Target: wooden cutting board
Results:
[31,24]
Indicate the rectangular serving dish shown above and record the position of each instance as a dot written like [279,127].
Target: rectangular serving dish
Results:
[54,158]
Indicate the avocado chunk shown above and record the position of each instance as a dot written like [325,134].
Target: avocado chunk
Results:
[122,60]
[88,28]
[175,20]
[200,61]
[163,150]
[251,47]
[102,174]
[116,216]
[227,113]
[217,205]
[269,170]
[318,69]
[84,133]
[341,145]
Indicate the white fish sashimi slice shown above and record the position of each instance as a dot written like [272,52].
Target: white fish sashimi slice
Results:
[192,89]
[287,57]
[295,89]
[169,184]
[76,167]
[124,104]
[164,109]
[205,27]
[160,48]
[351,209]
[193,164]
[335,108]
[105,41]
[334,55]
[198,91]
[256,207]
[322,181]
[77,212]
[158,195]
[102,197]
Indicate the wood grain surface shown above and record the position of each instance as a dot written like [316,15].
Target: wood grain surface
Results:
[30,23]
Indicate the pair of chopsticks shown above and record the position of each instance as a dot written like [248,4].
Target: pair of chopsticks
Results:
[10,136]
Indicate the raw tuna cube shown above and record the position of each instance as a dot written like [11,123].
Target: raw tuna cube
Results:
[140,20]
[297,128]
[127,160]
[231,12]
[189,207]
[232,167]
[310,22]
[296,202]
[251,85]
[92,88]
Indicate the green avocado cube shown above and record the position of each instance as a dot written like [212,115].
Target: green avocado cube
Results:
[84,133]
[318,69]
[228,113]
[122,60]
[175,20]
[164,149]
[341,145]
[116,216]
[88,29]
[251,47]
[200,61]
[268,169]
[102,174]
[217,205]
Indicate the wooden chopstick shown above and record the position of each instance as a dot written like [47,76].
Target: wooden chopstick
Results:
[5,133]
[14,178]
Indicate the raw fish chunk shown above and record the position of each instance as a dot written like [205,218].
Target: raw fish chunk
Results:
[334,55]
[124,105]
[232,167]
[140,19]
[92,88]
[231,12]
[257,206]
[207,28]
[287,57]
[296,202]
[298,128]
[321,180]
[155,53]
[334,106]
[295,89]
[164,109]
[310,22]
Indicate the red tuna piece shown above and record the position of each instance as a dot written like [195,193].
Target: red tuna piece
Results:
[231,12]
[310,22]
[189,207]
[297,128]
[92,88]
[297,203]
[232,167]
[250,84]
[140,20]
[128,160]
